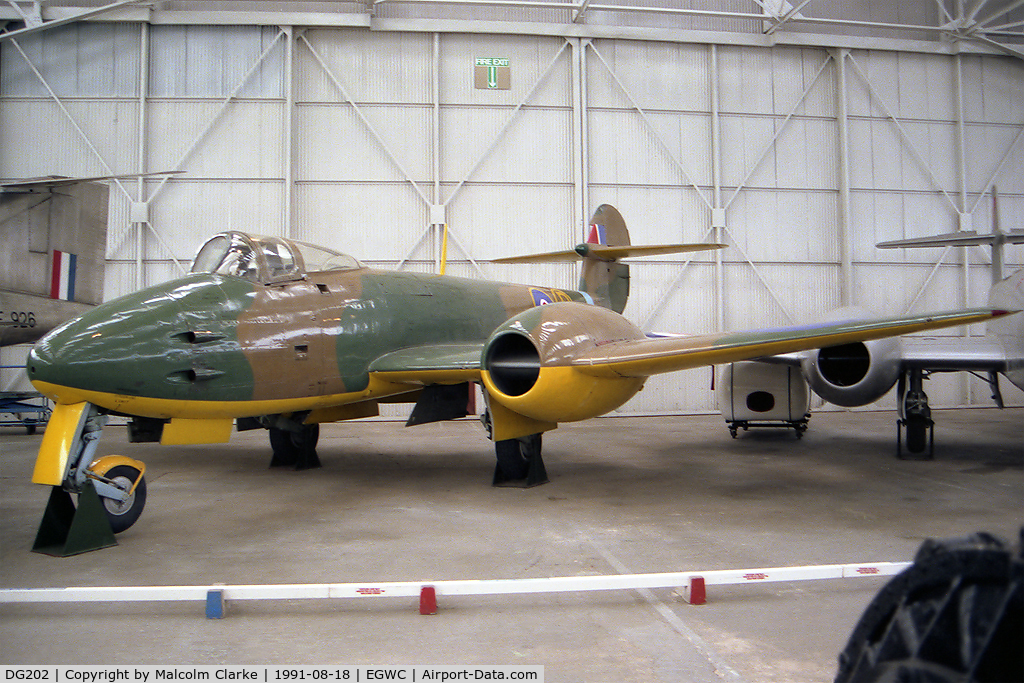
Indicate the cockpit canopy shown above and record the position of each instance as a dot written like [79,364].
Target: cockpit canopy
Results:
[267,259]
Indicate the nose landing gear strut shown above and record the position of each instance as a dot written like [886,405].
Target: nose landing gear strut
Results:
[111,490]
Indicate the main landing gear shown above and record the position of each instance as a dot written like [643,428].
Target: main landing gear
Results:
[295,448]
[111,490]
[916,416]
[293,443]
[519,460]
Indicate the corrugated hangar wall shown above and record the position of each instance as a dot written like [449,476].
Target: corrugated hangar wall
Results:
[800,157]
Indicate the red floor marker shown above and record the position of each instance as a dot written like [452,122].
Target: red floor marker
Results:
[428,600]
[697,595]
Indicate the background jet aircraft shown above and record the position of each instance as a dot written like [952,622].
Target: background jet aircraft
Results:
[54,232]
[268,332]
[862,372]
[54,236]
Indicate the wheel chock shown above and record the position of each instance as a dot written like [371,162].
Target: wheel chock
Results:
[537,474]
[65,531]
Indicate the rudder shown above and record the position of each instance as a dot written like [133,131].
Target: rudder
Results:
[607,281]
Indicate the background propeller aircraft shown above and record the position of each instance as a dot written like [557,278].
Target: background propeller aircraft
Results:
[268,332]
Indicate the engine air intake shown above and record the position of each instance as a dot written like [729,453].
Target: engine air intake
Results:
[514,364]
[844,365]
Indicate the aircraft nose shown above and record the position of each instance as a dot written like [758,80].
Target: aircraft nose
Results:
[107,349]
[50,358]
[39,365]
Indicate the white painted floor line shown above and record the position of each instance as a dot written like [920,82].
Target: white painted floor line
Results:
[721,667]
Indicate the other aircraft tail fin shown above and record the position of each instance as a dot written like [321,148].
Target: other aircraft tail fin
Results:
[604,277]
[970,238]
[1009,294]
[54,231]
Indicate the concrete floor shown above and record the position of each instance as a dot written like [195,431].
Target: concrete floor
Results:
[627,495]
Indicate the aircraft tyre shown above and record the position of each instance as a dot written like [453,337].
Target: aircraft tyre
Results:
[512,464]
[123,515]
[519,462]
[955,615]
[917,433]
[295,449]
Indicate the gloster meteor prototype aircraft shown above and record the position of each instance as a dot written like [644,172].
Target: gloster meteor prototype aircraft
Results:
[268,332]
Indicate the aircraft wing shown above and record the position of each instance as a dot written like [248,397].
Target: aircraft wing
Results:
[432,364]
[940,354]
[640,358]
[958,353]
[965,238]
[46,182]
[454,363]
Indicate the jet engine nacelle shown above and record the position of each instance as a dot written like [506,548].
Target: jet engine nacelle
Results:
[527,363]
[853,374]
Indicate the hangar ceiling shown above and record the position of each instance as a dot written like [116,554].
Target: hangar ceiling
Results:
[801,134]
[961,24]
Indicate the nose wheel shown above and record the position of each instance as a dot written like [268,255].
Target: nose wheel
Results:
[122,512]
[111,490]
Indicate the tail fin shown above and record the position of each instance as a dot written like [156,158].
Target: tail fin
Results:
[1008,294]
[607,281]
[604,278]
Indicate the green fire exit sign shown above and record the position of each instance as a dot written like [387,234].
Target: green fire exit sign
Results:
[492,73]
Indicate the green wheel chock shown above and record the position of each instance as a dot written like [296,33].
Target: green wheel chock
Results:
[66,531]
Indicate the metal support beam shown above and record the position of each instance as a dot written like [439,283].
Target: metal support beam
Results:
[998,11]
[717,210]
[483,157]
[288,134]
[903,133]
[346,98]
[961,179]
[508,124]
[435,149]
[142,132]
[779,130]
[220,112]
[585,130]
[88,142]
[776,25]
[843,213]
[999,167]
[90,14]
[579,153]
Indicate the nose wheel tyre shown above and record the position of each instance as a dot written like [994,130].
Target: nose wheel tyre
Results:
[123,514]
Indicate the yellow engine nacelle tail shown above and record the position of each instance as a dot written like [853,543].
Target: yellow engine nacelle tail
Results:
[564,394]
[527,368]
